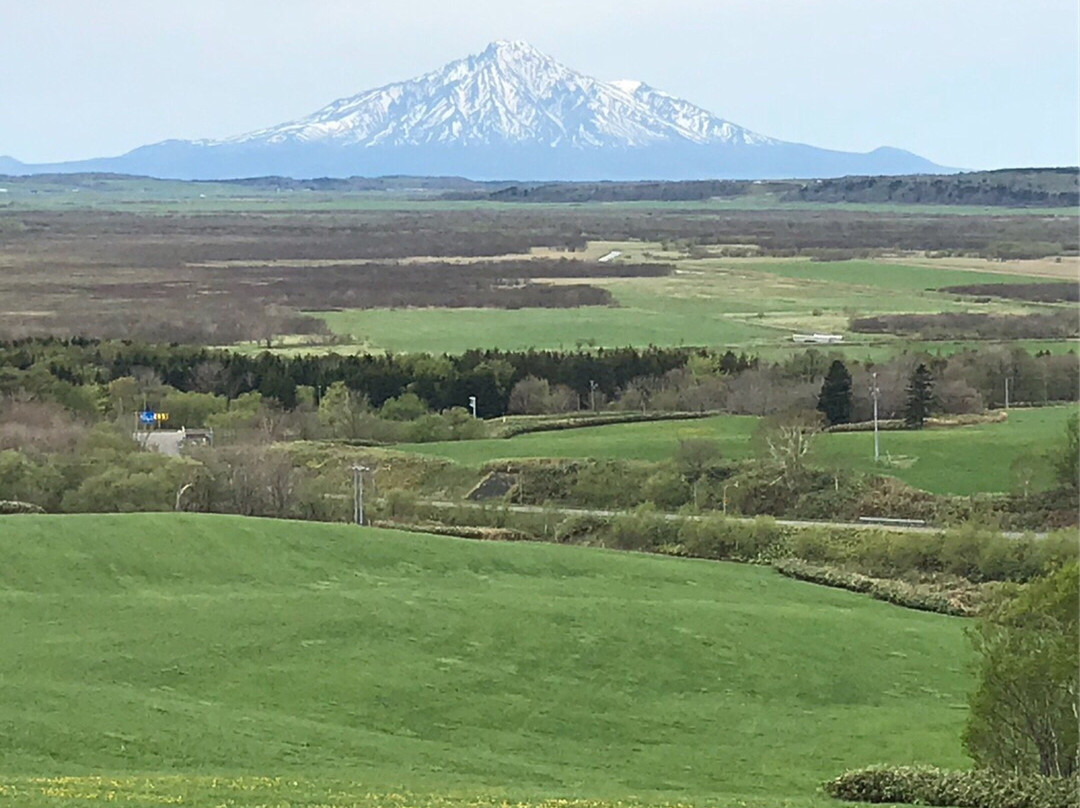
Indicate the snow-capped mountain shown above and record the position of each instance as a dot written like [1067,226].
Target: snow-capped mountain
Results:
[508,112]
[511,93]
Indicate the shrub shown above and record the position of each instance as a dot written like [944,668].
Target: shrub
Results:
[642,530]
[889,497]
[963,789]
[712,537]
[719,538]
[609,484]
[667,489]
[538,481]
[580,528]
[400,503]
[763,540]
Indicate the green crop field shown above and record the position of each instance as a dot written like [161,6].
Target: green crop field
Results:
[458,330]
[213,660]
[955,460]
[959,460]
[651,440]
[752,304]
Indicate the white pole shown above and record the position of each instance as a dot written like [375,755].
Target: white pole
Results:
[472,405]
[358,493]
[1006,392]
[877,443]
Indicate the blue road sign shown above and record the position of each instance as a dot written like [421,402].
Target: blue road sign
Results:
[146,417]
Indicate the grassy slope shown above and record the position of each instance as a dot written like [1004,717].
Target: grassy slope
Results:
[962,460]
[205,645]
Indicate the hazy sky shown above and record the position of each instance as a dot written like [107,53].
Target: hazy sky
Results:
[966,83]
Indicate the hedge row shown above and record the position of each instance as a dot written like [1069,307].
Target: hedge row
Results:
[579,421]
[893,424]
[962,602]
[461,531]
[961,789]
[11,506]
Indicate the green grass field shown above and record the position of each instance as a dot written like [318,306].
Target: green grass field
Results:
[750,304]
[957,460]
[244,662]
[457,330]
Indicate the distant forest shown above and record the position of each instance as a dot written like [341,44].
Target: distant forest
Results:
[1029,187]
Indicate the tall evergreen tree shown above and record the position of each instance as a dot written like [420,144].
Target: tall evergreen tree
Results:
[835,399]
[920,396]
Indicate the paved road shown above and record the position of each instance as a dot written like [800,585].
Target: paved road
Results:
[674,517]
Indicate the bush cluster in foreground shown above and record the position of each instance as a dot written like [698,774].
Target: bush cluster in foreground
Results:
[962,789]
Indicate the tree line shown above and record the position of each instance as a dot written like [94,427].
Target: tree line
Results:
[75,372]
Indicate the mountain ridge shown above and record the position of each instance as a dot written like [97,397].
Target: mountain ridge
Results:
[507,112]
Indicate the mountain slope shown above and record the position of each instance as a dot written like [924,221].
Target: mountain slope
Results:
[510,111]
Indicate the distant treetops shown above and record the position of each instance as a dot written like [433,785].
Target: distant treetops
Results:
[834,402]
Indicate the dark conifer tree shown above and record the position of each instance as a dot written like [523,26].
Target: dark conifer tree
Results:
[920,397]
[835,399]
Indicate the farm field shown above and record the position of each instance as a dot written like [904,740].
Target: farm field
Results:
[748,304]
[958,460]
[256,662]
[448,276]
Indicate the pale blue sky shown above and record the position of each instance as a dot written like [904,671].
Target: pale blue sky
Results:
[966,83]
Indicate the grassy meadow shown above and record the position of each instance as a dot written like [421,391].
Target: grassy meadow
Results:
[214,660]
[752,304]
[956,460]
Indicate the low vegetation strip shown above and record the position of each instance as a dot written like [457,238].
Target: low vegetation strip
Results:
[1033,292]
[962,789]
[890,424]
[958,598]
[962,325]
[577,421]
[260,792]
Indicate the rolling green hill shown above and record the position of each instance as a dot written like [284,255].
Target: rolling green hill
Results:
[239,661]
[956,460]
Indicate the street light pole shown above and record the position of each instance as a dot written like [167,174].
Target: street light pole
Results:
[358,493]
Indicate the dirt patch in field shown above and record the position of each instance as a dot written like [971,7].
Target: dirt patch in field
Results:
[1065,267]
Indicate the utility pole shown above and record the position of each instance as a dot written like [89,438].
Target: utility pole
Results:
[874,392]
[358,493]
[1006,393]
[592,394]
[472,405]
